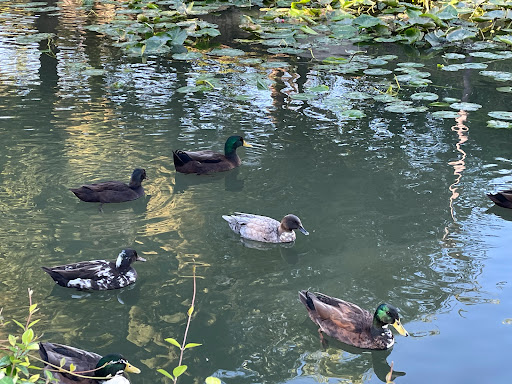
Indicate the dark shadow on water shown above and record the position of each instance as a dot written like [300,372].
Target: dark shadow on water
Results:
[138,206]
[124,296]
[231,181]
[504,213]
[288,253]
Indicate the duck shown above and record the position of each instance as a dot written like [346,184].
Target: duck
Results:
[503,198]
[351,324]
[265,229]
[207,161]
[112,191]
[98,275]
[99,370]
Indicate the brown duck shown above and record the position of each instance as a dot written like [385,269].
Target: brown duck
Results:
[207,161]
[351,324]
[112,191]
[503,198]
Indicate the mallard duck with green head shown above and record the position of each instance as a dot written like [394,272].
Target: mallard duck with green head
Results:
[351,324]
[207,161]
[265,229]
[113,191]
[502,199]
[100,370]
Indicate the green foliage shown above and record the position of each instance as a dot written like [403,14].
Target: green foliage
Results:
[15,358]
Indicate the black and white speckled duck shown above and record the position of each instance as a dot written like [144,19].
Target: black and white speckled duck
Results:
[97,274]
[112,191]
[207,161]
[265,229]
[86,364]
[351,324]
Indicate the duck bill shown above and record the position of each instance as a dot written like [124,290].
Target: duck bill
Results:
[400,328]
[131,369]
[139,258]
[246,144]
[303,230]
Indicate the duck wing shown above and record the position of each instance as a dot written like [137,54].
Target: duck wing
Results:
[205,156]
[83,275]
[340,319]
[84,361]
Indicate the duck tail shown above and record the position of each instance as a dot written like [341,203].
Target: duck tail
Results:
[180,158]
[500,200]
[56,276]
[42,351]
[306,299]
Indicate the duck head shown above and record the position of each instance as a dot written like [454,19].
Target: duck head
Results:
[233,142]
[126,257]
[290,222]
[138,175]
[114,364]
[386,314]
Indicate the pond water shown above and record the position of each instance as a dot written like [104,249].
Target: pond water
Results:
[394,202]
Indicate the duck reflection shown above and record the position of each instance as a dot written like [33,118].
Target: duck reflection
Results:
[286,250]
[232,182]
[122,296]
[505,214]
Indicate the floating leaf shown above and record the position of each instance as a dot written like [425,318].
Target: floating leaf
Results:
[501,115]
[367,21]
[499,124]
[410,65]
[450,99]
[212,380]
[308,30]
[187,56]
[439,104]
[466,106]
[377,61]
[275,64]
[424,96]
[355,95]
[303,96]
[453,56]
[445,114]
[319,88]
[377,71]
[504,89]
[231,52]
[404,107]
[385,98]
[497,75]
[353,114]
[460,34]
[486,55]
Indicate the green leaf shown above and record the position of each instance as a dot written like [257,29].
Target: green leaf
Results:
[367,21]
[413,34]
[460,34]
[62,362]
[308,30]
[27,336]
[19,324]
[12,340]
[34,322]
[192,345]
[319,88]
[33,347]
[212,380]
[165,373]
[178,371]
[173,342]
[72,367]
[5,361]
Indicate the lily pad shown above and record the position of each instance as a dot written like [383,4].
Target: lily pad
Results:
[303,96]
[410,65]
[377,61]
[33,38]
[187,56]
[460,34]
[385,98]
[387,57]
[94,72]
[466,106]
[499,124]
[485,55]
[451,100]
[231,52]
[453,56]
[377,71]
[503,115]
[403,107]
[353,114]
[275,64]
[445,114]
[356,95]
[497,75]
[424,96]
[319,88]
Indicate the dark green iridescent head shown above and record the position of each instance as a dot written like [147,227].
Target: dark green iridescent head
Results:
[386,314]
[232,143]
[113,364]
